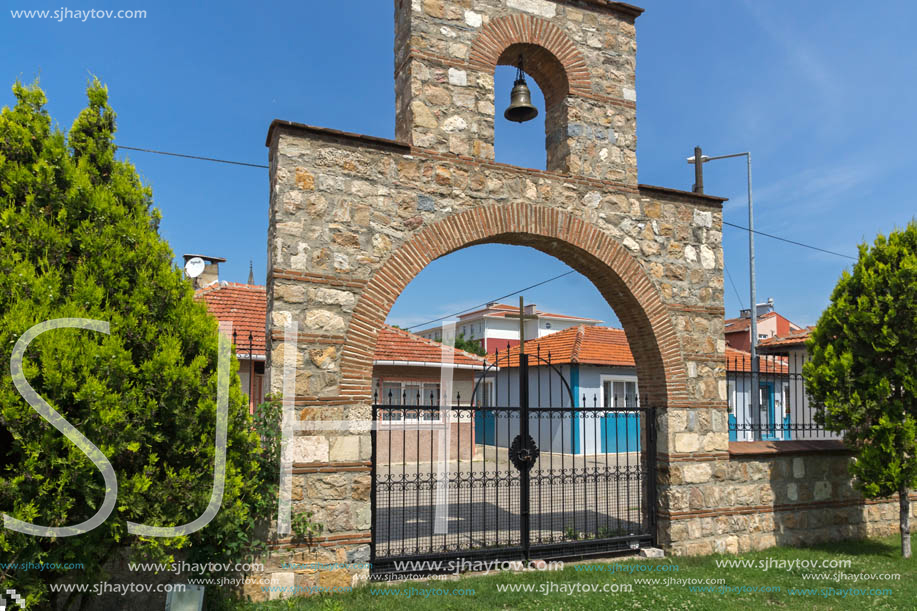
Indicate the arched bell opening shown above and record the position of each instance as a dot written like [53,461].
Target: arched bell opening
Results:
[545,78]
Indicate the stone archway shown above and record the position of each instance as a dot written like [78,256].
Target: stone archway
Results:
[612,268]
[354,218]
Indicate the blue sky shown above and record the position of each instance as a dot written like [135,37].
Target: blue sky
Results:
[822,93]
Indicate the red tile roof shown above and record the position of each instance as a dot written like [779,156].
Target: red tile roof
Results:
[735,325]
[739,360]
[581,344]
[607,346]
[403,346]
[793,338]
[245,305]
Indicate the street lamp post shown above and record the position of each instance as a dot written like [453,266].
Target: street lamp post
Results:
[699,187]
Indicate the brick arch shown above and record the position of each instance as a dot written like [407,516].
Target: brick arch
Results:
[617,275]
[552,59]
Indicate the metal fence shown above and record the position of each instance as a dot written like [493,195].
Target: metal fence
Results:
[784,410]
[522,475]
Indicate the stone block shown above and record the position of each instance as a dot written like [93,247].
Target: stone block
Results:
[822,490]
[326,486]
[323,358]
[361,487]
[542,8]
[338,578]
[703,218]
[687,442]
[309,449]
[324,321]
[345,448]
[458,78]
[304,179]
[282,585]
[290,293]
[697,473]
[799,467]
[326,296]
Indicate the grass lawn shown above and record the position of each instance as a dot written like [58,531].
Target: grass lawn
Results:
[870,557]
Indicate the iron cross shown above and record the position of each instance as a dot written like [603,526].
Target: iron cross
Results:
[522,318]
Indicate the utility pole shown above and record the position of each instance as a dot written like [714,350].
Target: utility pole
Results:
[699,160]
[698,171]
[522,318]
[755,369]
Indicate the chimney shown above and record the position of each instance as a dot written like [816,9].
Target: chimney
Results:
[530,309]
[211,273]
[762,309]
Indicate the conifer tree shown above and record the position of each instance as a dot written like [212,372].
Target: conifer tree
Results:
[79,239]
[863,368]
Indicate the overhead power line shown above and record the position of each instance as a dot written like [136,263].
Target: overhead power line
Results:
[471,309]
[262,166]
[197,157]
[777,237]
[732,282]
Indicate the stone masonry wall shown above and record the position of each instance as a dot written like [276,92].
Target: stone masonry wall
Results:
[747,502]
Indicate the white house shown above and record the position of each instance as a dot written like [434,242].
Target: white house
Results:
[491,326]
[573,374]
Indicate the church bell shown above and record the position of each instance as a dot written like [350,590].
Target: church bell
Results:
[520,106]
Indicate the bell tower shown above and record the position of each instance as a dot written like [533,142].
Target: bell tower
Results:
[355,218]
[582,54]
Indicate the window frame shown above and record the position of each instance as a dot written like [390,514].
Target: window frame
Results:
[403,384]
[618,377]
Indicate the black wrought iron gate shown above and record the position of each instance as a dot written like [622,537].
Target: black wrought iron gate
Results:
[519,470]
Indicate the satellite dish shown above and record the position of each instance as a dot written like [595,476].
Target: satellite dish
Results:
[195,267]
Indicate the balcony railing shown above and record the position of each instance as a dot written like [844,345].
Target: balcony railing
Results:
[785,412]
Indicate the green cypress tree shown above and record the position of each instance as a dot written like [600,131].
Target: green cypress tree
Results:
[79,239]
[863,368]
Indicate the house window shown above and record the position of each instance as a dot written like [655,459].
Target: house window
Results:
[410,394]
[618,393]
[391,393]
[547,325]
